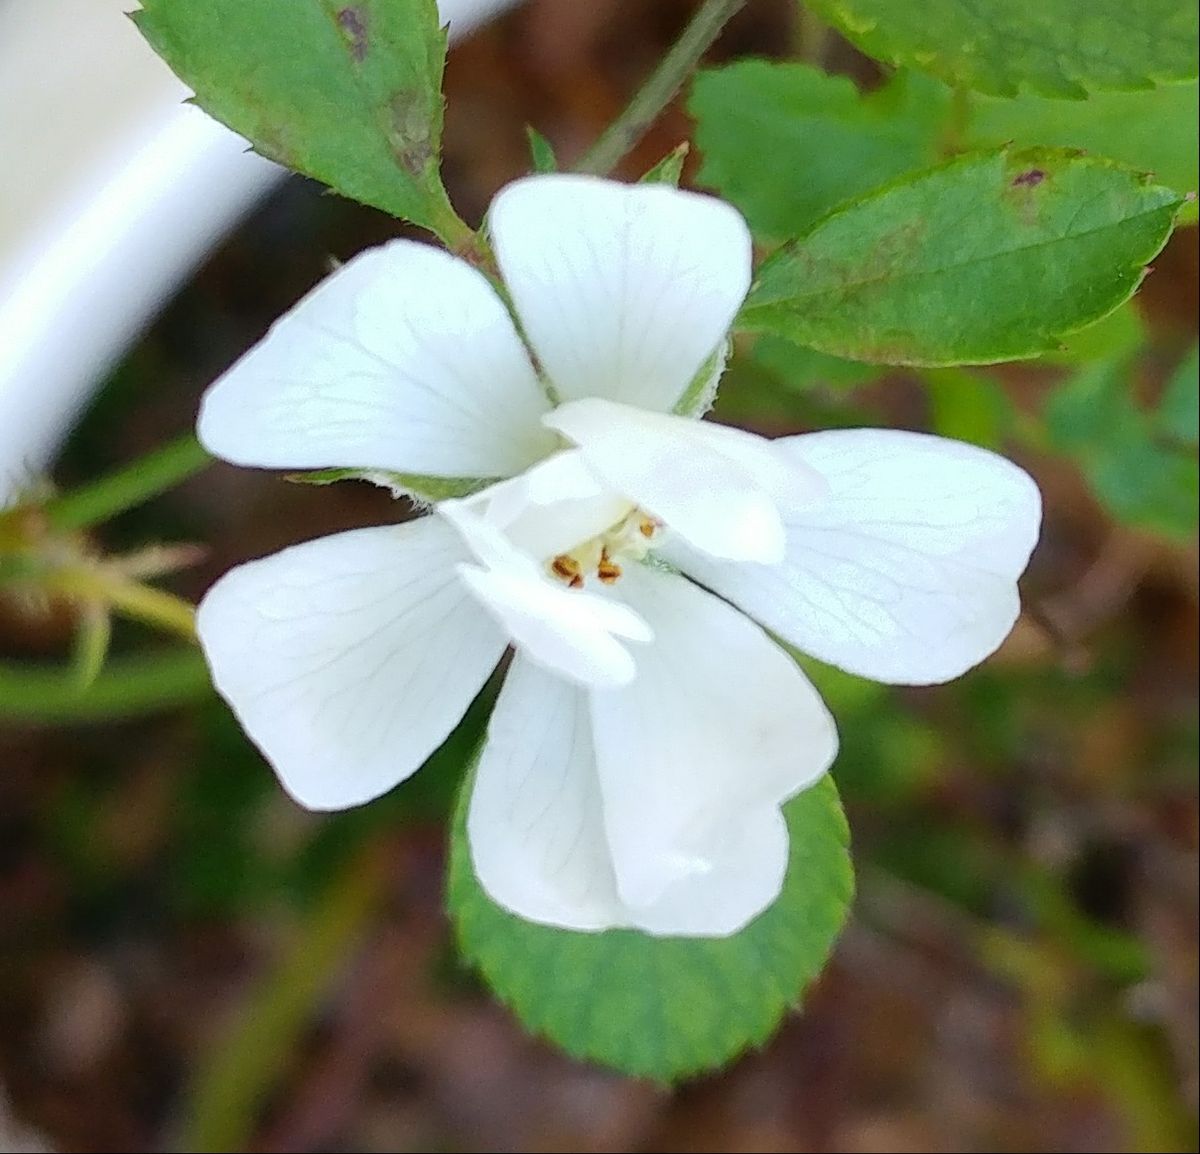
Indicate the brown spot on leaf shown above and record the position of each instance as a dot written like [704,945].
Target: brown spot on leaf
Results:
[1030,178]
[410,137]
[353,24]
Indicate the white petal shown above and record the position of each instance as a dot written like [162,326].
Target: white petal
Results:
[349,659]
[745,873]
[569,631]
[623,290]
[535,823]
[719,488]
[549,509]
[696,755]
[404,359]
[908,572]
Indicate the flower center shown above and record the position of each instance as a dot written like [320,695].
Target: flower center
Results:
[602,556]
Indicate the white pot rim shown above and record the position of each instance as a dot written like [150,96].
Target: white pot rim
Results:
[114,239]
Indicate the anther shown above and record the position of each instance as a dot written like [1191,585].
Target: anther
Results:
[567,568]
[607,570]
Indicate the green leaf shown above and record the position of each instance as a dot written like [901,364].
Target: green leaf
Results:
[786,143]
[1179,412]
[419,485]
[1117,334]
[1061,48]
[1142,479]
[541,152]
[1154,131]
[669,169]
[665,1008]
[348,92]
[991,257]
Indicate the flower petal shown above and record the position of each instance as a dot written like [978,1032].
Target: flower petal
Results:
[349,659]
[404,359]
[567,631]
[744,875]
[549,509]
[623,290]
[720,488]
[908,572]
[695,757]
[535,822]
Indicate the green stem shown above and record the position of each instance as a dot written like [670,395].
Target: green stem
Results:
[154,607]
[813,36]
[132,485]
[93,637]
[448,226]
[126,687]
[666,80]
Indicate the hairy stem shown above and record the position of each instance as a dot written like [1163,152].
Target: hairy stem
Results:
[154,607]
[666,80]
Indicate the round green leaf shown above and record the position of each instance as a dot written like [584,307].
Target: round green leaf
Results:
[1062,48]
[991,257]
[664,1008]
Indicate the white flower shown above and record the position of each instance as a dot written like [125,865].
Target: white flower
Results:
[647,732]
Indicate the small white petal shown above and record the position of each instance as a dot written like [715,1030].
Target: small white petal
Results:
[549,509]
[623,290]
[349,659]
[719,488]
[535,823]
[569,631]
[404,359]
[696,754]
[908,572]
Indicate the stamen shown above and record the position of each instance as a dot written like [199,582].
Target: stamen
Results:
[566,567]
[629,539]
[608,570]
